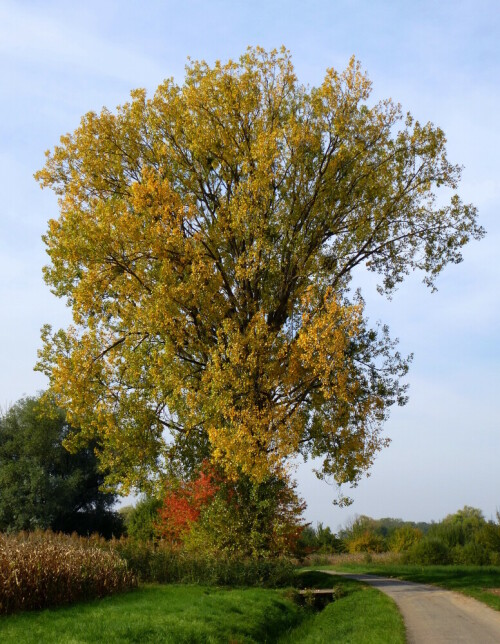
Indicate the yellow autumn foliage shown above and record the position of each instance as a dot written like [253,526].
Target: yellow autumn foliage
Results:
[206,242]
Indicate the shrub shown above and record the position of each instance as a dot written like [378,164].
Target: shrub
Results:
[461,528]
[42,569]
[489,536]
[213,515]
[495,558]
[404,538]
[320,540]
[161,563]
[367,542]
[357,558]
[429,551]
[472,554]
[141,520]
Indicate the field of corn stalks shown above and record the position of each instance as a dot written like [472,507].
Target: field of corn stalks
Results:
[41,569]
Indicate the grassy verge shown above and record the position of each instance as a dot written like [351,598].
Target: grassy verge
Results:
[362,615]
[171,613]
[193,613]
[480,582]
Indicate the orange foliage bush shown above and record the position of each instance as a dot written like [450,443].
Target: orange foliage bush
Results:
[182,506]
[220,516]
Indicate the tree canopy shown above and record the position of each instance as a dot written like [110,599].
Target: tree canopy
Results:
[207,242]
[43,485]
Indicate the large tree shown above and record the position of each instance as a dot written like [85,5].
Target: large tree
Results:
[42,485]
[207,242]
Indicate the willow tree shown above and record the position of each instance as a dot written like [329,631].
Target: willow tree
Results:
[206,243]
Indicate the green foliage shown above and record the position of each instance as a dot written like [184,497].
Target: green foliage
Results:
[43,569]
[160,563]
[42,484]
[241,519]
[141,520]
[320,539]
[367,541]
[471,553]
[404,537]
[359,525]
[248,519]
[464,537]
[429,551]
[364,534]
[460,528]
[489,536]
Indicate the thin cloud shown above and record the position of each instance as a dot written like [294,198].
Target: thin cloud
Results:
[32,36]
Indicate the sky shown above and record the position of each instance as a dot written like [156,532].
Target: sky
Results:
[440,60]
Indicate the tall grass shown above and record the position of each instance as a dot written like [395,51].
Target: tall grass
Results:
[157,562]
[42,569]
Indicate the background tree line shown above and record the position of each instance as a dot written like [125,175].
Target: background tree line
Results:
[44,486]
[464,537]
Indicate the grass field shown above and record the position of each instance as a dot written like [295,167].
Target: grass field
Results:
[480,582]
[193,613]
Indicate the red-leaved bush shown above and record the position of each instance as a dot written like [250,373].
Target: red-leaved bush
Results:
[182,505]
[221,516]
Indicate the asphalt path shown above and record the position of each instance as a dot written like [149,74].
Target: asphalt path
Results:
[433,615]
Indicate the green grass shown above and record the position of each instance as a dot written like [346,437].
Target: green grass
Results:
[171,613]
[474,581]
[192,613]
[362,615]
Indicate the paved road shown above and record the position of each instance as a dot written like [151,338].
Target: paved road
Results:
[434,616]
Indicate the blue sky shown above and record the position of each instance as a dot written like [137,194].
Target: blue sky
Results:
[440,60]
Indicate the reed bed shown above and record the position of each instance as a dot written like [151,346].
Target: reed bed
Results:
[42,569]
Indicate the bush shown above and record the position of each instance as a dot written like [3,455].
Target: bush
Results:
[160,563]
[495,558]
[140,521]
[489,537]
[367,542]
[472,554]
[319,540]
[212,515]
[404,538]
[428,551]
[42,569]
